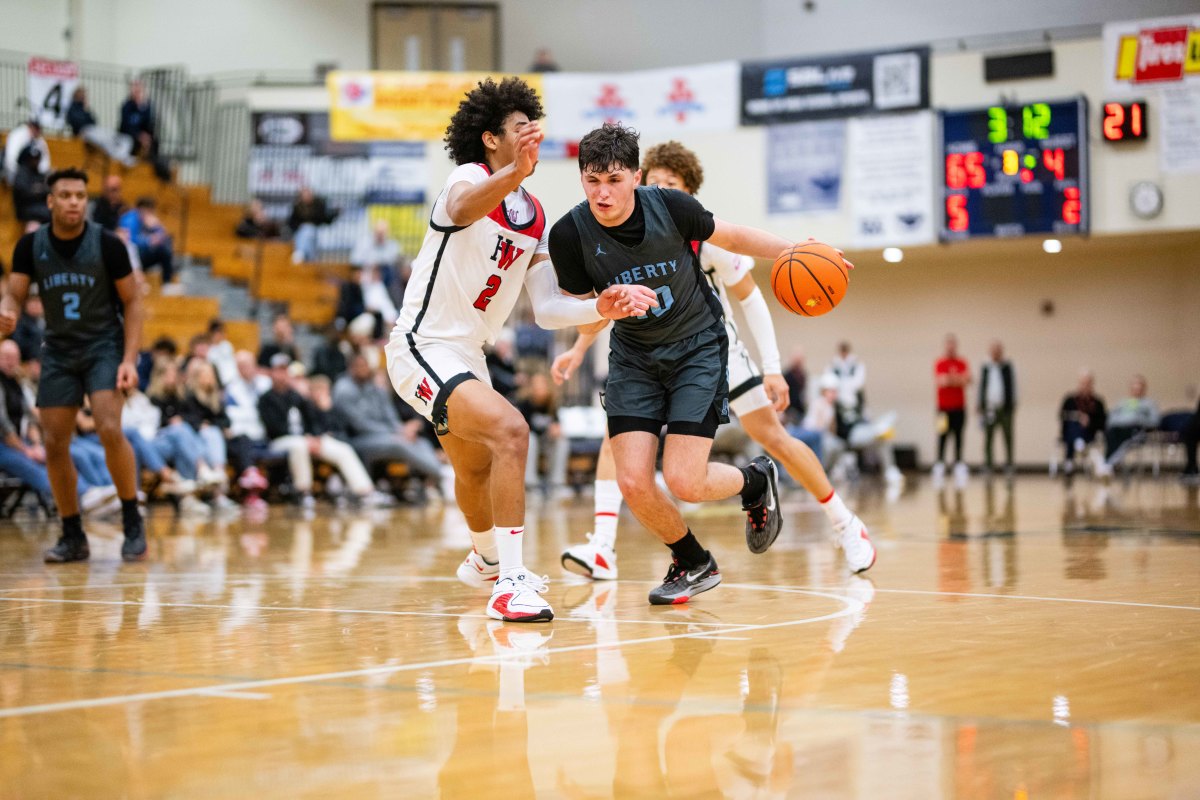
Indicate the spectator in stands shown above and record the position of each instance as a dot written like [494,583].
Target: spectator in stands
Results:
[538,403]
[293,428]
[308,213]
[378,249]
[31,328]
[952,376]
[178,441]
[110,205]
[1082,415]
[1191,443]
[82,121]
[997,404]
[144,451]
[256,224]
[198,347]
[137,122]
[247,436]
[203,409]
[376,431]
[535,344]
[30,190]
[844,431]
[1132,416]
[360,333]
[329,359]
[220,352]
[851,376]
[163,348]
[350,299]
[154,245]
[284,341]
[377,300]
[543,61]
[796,376]
[19,138]
[502,365]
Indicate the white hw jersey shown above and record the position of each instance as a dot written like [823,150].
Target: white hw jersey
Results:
[466,279]
[723,269]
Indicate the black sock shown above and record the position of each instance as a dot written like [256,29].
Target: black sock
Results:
[130,515]
[688,551]
[72,527]
[754,484]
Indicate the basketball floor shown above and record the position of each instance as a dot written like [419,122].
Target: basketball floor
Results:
[1019,640]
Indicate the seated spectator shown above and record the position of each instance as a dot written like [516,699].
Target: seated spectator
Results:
[31,328]
[844,432]
[154,245]
[220,352]
[203,409]
[1133,415]
[137,122]
[1082,416]
[350,299]
[172,446]
[198,347]
[377,301]
[179,442]
[377,248]
[539,405]
[308,212]
[247,436]
[329,358]
[502,365]
[284,341]
[360,334]
[375,429]
[164,348]
[82,121]
[135,258]
[19,138]
[30,190]
[110,205]
[144,452]
[333,422]
[797,380]
[293,428]
[1191,443]
[256,224]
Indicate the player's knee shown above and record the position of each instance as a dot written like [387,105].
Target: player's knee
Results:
[511,434]
[109,432]
[634,488]
[688,486]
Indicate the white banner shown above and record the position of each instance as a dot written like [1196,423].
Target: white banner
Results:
[658,103]
[1179,115]
[51,84]
[804,166]
[1144,55]
[890,179]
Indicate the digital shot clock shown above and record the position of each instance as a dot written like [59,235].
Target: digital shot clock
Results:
[1015,170]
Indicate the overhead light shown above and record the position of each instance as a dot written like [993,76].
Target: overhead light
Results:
[1052,246]
[893,255]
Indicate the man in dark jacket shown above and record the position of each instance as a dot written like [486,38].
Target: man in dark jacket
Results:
[83,125]
[997,403]
[1083,415]
[137,122]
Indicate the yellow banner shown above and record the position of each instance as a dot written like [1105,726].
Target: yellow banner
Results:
[373,106]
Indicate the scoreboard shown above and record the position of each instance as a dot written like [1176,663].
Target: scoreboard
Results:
[1015,170]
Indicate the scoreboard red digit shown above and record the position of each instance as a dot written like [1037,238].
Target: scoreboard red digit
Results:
[1015,170]
[1124,122]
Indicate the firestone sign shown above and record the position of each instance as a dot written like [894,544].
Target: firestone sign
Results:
[1147,53]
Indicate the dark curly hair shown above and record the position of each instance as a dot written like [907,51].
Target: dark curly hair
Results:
[677,158]
[611,146]
[484,109]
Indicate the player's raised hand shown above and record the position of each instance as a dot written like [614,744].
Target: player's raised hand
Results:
[565,365]
[529,139]
[619,301]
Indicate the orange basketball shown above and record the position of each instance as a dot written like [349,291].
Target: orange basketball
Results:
[810,279]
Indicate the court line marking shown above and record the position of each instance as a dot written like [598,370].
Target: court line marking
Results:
[851,606]
[237,695]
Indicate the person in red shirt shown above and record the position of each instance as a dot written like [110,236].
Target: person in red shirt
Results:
[952,376]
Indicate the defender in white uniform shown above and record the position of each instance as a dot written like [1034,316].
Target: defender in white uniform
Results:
[487,239]
[756,396]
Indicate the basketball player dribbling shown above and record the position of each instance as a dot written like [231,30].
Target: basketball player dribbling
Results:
[487,239]
[756,396]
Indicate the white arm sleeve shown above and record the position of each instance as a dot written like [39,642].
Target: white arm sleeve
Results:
[758,320]
[551,308]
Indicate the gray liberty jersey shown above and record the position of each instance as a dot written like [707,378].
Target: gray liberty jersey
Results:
[78,295]
[664,262]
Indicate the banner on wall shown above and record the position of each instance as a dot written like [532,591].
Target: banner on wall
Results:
[890,179]
[414,106]
[834,86]
[1179,121]
[804,166]
[658,103]
[51,84]
[1151,53]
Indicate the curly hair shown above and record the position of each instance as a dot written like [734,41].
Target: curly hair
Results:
[611,146]
[484,109]
[677,158]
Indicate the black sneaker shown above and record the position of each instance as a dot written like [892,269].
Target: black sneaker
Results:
[134,547]
[682,585]
[763,520]
[69,548]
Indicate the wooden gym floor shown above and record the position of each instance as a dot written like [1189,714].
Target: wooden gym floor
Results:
[1023,641]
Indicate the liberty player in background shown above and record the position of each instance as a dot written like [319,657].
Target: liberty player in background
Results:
[755,396]
[487,239]
[93,310]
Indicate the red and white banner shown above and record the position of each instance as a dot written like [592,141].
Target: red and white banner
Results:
[658,103]
[51,84]
[1151,53]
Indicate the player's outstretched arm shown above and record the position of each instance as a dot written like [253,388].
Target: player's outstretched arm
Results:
[468,202]
[553,309]
[13,301]
[751,241]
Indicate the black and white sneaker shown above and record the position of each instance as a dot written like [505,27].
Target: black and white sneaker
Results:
[69,548]
[762,516]
[682,584]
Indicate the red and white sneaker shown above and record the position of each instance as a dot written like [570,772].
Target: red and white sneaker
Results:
[856,544]
[595,560]
[518,598]
[476,572]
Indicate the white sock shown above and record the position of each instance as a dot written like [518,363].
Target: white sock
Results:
[485,544]
[508,546]
[608,509]
[835,509]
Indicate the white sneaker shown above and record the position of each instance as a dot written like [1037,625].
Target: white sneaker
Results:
[177,486]
[377,499]
[519,599]
[477,573]
[938,475]
[210,476]
[96,497]
[192,506]
[961,473]
[594,560]
[856,544]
